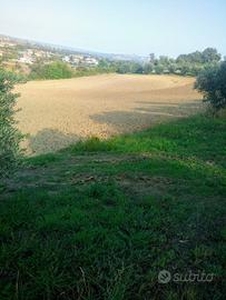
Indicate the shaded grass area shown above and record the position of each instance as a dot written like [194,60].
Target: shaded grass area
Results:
[100,219]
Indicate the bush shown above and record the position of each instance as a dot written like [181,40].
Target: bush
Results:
[212,82]
[54,70]
[10,137]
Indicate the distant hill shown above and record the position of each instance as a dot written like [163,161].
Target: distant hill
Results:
[38,60]
[67,50]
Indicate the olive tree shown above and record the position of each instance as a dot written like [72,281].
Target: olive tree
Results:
[212,83]
[10,137]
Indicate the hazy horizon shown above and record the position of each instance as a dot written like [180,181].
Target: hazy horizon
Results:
[122,27]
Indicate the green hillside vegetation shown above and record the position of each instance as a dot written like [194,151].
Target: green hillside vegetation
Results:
[100,219]
[185,64]
[61,70]
[54,67]
[54,70]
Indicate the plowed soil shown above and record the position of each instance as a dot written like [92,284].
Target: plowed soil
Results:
[56,113]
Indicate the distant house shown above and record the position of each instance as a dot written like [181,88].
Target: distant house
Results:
[6,44]
[91,61]
[66,59]
[26,57]
[26,60]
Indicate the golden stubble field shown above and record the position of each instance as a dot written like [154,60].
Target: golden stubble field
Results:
[56,113]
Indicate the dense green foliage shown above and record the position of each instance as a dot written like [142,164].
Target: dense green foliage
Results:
[101,219]
[9,135]
[61,70]
[185,64]
[212,82]
[54,70]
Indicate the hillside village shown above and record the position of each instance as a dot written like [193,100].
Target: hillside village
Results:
[36,60]
[17,54]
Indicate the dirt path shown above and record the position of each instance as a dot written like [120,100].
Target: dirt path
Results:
[56,113]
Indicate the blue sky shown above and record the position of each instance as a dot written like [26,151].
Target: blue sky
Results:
[119,26]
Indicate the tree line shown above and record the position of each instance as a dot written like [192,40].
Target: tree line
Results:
[185,64]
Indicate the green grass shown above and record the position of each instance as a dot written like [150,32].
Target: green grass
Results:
[100,219]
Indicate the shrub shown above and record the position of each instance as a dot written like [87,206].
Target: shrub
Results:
[10,137]
[54,70]
[212,82]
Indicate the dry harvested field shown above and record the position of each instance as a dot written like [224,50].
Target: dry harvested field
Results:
[56,113]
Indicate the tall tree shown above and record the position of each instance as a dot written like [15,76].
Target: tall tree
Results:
[10,137]
[210,55]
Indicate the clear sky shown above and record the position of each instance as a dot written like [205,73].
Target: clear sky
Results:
[168,27]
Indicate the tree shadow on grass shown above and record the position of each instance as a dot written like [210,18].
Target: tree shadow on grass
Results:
[49,140]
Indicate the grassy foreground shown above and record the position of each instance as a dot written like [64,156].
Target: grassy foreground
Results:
[100,220]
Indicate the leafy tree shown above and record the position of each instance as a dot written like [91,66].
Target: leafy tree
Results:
[172,67]
[164,60]
[148,68]
[210,55]
[124,67]
[10,137]
[136,68]
[192,63]
[159,68]
[54,70]
[212,82]
[194,57]
[57,70]
[104,63]
[152,58]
